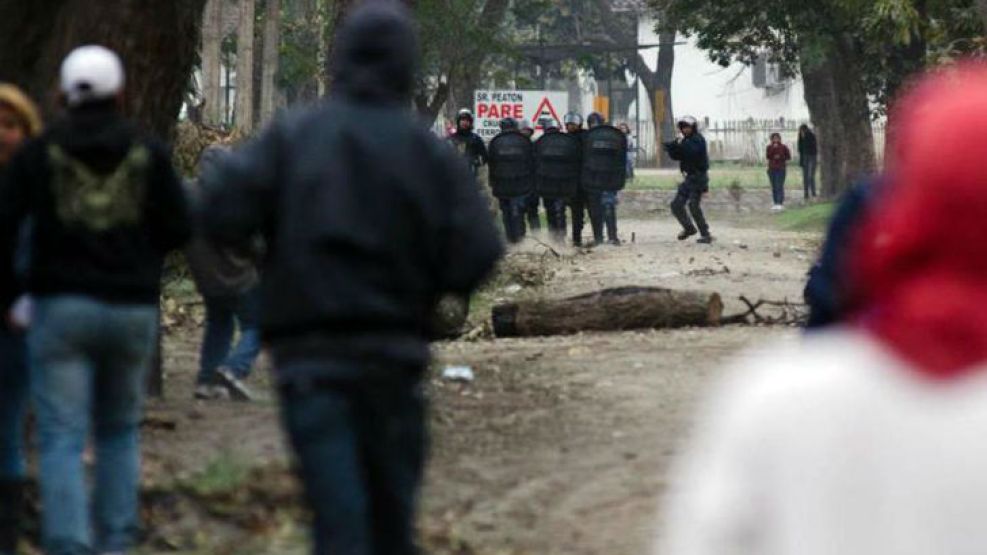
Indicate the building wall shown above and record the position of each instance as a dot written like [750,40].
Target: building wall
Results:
[704,89]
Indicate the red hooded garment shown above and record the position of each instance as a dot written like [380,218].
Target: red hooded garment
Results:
[918,267]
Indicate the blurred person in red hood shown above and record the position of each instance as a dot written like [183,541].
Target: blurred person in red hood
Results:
[868,438]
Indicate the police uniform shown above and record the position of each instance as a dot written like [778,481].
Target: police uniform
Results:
[557,167]
[512,173]
[604,171]
[694,163]
[584,201]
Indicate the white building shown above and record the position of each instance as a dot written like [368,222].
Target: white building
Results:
[707,90]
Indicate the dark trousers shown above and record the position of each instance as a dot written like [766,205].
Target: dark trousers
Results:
[609,201]
[360,445]
[777,178]
[531,212]
[690,194]
[555,211]
[512,213]
[809,164]
[587,201]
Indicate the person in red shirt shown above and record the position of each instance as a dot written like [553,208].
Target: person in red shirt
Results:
[778,157]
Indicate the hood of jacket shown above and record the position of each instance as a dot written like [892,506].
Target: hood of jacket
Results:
[376,54]
[96,134]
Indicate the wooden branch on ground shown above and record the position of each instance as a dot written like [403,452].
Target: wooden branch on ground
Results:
[791,313]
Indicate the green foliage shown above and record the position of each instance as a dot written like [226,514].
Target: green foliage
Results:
[894,38]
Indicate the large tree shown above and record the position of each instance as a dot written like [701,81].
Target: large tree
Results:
[158,42]
[245,66]
[855,56]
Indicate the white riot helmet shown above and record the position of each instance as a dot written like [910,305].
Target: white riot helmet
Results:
[573,118]
[524,124]
[688,121]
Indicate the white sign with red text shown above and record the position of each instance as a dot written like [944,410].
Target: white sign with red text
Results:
[491,106]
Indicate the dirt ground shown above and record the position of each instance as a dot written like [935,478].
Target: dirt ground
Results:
[559,446]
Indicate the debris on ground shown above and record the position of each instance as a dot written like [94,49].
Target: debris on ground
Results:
[458,374]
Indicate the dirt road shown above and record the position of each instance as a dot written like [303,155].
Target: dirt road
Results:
[560,445]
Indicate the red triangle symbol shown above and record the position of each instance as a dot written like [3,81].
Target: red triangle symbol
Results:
[544,109]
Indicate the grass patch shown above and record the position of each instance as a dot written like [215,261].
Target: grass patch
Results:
[814,217]
[224,474]
[721,176]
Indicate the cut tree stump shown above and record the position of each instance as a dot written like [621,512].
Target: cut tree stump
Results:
[623,308]
[450,317]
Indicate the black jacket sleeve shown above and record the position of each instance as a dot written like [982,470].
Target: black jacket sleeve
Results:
[480,149]
[14,205]
[239,193]
[674,149]
[168,217]
[469,243]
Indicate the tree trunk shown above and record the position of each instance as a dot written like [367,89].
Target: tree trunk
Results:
[157,41]
[820,95]
[853,106]
[272,43]
[429,107]
[211,56]
[608,310]
[245,68]
[665,122]
[25,30]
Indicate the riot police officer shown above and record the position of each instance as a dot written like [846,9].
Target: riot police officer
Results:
[557,165]
[604,168]
[512,173]
[690,151]
[524,126]
[583,200]
[468,143]
[531,204]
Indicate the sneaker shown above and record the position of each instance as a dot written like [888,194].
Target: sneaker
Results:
[209,392]
[775,208]
[237,389]
[615,242]
[705,240]
[203,391]
[686,234]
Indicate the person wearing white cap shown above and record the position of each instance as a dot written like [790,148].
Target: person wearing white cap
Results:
[106,207]
[91,74]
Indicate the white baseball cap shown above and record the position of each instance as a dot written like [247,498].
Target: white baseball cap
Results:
[91,73]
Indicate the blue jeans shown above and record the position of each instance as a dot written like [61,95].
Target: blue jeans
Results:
[13,403]
[223,314]
[360,446]
[777,178]
[88,362]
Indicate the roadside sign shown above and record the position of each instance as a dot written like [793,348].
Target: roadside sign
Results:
[535,106]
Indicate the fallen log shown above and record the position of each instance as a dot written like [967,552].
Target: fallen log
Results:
[623,308]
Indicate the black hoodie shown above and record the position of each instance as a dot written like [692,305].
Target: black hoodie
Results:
[368,217]
[106,207]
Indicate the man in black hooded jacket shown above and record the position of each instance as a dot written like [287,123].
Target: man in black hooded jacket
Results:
[365,231]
